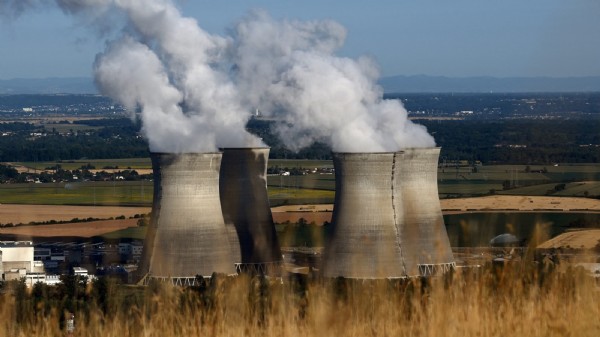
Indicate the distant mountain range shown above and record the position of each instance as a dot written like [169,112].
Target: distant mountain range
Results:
[392,84]
[54,85]
[440,84]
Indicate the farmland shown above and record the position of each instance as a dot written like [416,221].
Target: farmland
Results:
[80,229]
[577,180]
[132,163]
[100,193]
[24,214]
[490,195]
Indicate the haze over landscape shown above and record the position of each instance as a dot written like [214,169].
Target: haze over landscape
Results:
[454,39]
[190,168]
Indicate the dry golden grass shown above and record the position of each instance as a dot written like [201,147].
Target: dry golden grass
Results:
[489,302]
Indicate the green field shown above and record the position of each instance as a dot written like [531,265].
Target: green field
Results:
[130,193]
[580,180]
[309,181]
[299,196]
[133,163]
[135,233]
[575,189]
[463,181]
[105,193]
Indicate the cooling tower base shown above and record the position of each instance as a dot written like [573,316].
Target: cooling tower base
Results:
[176,281]
[268,268]
[184,281]
[427,270]
[187,235]
[387,220]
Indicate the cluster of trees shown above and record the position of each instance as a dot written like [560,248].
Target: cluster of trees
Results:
[73,295]
[8,173]
[54,147]
[57,174]
[489,140]
[540,142]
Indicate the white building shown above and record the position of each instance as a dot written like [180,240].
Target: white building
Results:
[17,262]
[17,255]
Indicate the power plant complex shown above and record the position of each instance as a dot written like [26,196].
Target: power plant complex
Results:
[211,213]
[387,220]
[246,209]
[424,238]
[187,234]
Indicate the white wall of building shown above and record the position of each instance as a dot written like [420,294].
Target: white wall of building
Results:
[19,251]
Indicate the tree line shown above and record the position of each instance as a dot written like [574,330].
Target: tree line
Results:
[518,141]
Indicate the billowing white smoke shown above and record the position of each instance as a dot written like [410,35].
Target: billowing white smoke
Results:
[195,89]
[289,69]
[187,103]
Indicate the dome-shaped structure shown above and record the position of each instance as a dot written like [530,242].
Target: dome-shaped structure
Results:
[504,240]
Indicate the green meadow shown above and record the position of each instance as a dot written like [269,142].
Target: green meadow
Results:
[91,193]
[128,163]
[581,180]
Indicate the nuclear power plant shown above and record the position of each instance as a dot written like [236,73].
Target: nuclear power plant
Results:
[246,209]
[365,242]
[187,234]
[425,241]
[387,220]
[211,213]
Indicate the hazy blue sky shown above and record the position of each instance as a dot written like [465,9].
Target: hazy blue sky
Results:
[432,37]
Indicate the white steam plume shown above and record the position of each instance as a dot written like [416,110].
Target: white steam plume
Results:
[289,69]
[187,104]
[195,89]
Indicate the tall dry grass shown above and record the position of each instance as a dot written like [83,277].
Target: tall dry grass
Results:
[510,301]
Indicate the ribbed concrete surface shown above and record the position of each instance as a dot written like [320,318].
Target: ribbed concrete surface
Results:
[187,234]
[366,233]
[424,237]
[245,205]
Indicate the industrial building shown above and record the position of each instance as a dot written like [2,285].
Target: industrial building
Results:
[187,234]
[211,212]
[366,241]
[387,220]
[17,262]
[246,210]
[425,241]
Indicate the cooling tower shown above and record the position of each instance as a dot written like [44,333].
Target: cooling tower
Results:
[425,243]
[187,234]
[365,241]
[246,209]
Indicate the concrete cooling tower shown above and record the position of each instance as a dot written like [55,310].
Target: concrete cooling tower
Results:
[425,241]
[187,234]
[387,220]
[246,209]
[365,241]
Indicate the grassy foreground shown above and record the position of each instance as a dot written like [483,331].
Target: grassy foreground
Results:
[515,301]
